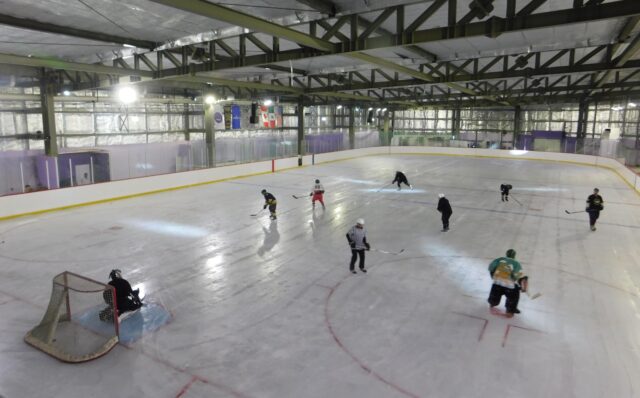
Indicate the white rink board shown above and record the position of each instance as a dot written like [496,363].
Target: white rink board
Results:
[15,205]
[265,309]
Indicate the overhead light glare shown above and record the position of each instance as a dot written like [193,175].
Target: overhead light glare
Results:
[66,93]
[632,104]
[267,102]
[339,107]
[210,99]
[127,95]
[128,45]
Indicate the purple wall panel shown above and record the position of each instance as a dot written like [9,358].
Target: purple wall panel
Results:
[548,134]
[321,143]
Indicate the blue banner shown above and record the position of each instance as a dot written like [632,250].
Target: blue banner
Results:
[235,116]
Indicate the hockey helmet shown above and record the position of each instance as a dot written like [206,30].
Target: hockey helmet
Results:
[317,181]
[441,195]
[115,273]
[360,221]
[511,253]
[263,191]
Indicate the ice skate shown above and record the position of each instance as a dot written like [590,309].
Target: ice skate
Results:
[363,270]
[353,271]
[593,227]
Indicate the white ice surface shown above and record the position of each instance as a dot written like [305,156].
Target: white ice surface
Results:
[267,309]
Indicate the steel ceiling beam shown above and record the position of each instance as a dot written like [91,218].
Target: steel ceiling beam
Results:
[220,13]
[32,24]
[411,72]
[323,6]
[492,27]
[623,35]
[55,63]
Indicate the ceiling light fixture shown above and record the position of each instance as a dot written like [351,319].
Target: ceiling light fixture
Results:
[127,95]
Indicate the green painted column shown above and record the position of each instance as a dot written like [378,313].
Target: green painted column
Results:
[517,124]
[300,112]
[385,130]
[47,93]
[210,135]
[352,127]
[187,123]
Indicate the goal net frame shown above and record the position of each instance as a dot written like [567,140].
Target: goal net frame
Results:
[60,335]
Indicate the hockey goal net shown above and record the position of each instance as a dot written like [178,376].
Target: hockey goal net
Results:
[71,330]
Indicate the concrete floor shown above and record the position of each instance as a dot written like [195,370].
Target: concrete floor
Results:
[269,309]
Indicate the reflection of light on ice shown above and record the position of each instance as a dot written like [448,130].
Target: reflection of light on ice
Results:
[457,268]
[392,190]
[542,189]
[169,228]
[366,182]
[214,266]
[518,152]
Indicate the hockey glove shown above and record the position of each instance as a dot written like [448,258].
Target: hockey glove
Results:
[264,207]
[368,246]
[352,244]
[322,192]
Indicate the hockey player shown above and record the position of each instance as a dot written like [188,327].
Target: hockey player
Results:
[317,193]
[444,207]
[400,178]
[358,242]
[127,299]
[270,201]
[594,207]
[508,280]
[504,189]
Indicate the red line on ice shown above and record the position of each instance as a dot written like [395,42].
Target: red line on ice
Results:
[508,328]
[355,358]
[484,326]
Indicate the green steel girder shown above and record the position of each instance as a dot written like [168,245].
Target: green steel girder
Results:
[617,9]
[59,64]
[220,13]
[508,73]
[32,24]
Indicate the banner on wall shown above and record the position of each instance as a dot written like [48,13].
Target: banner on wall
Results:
[264,116]
[218,117]
[227,117]
[235,116]
[272,117]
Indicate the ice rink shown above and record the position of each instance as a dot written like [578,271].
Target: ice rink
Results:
[269,309]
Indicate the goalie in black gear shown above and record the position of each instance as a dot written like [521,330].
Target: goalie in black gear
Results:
[504,189]
[127,299]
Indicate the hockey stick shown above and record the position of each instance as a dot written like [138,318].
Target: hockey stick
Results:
[574,212]
[253,215]
[517,201]
[533,296]
[385,187]
[387,252]
[299,196]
